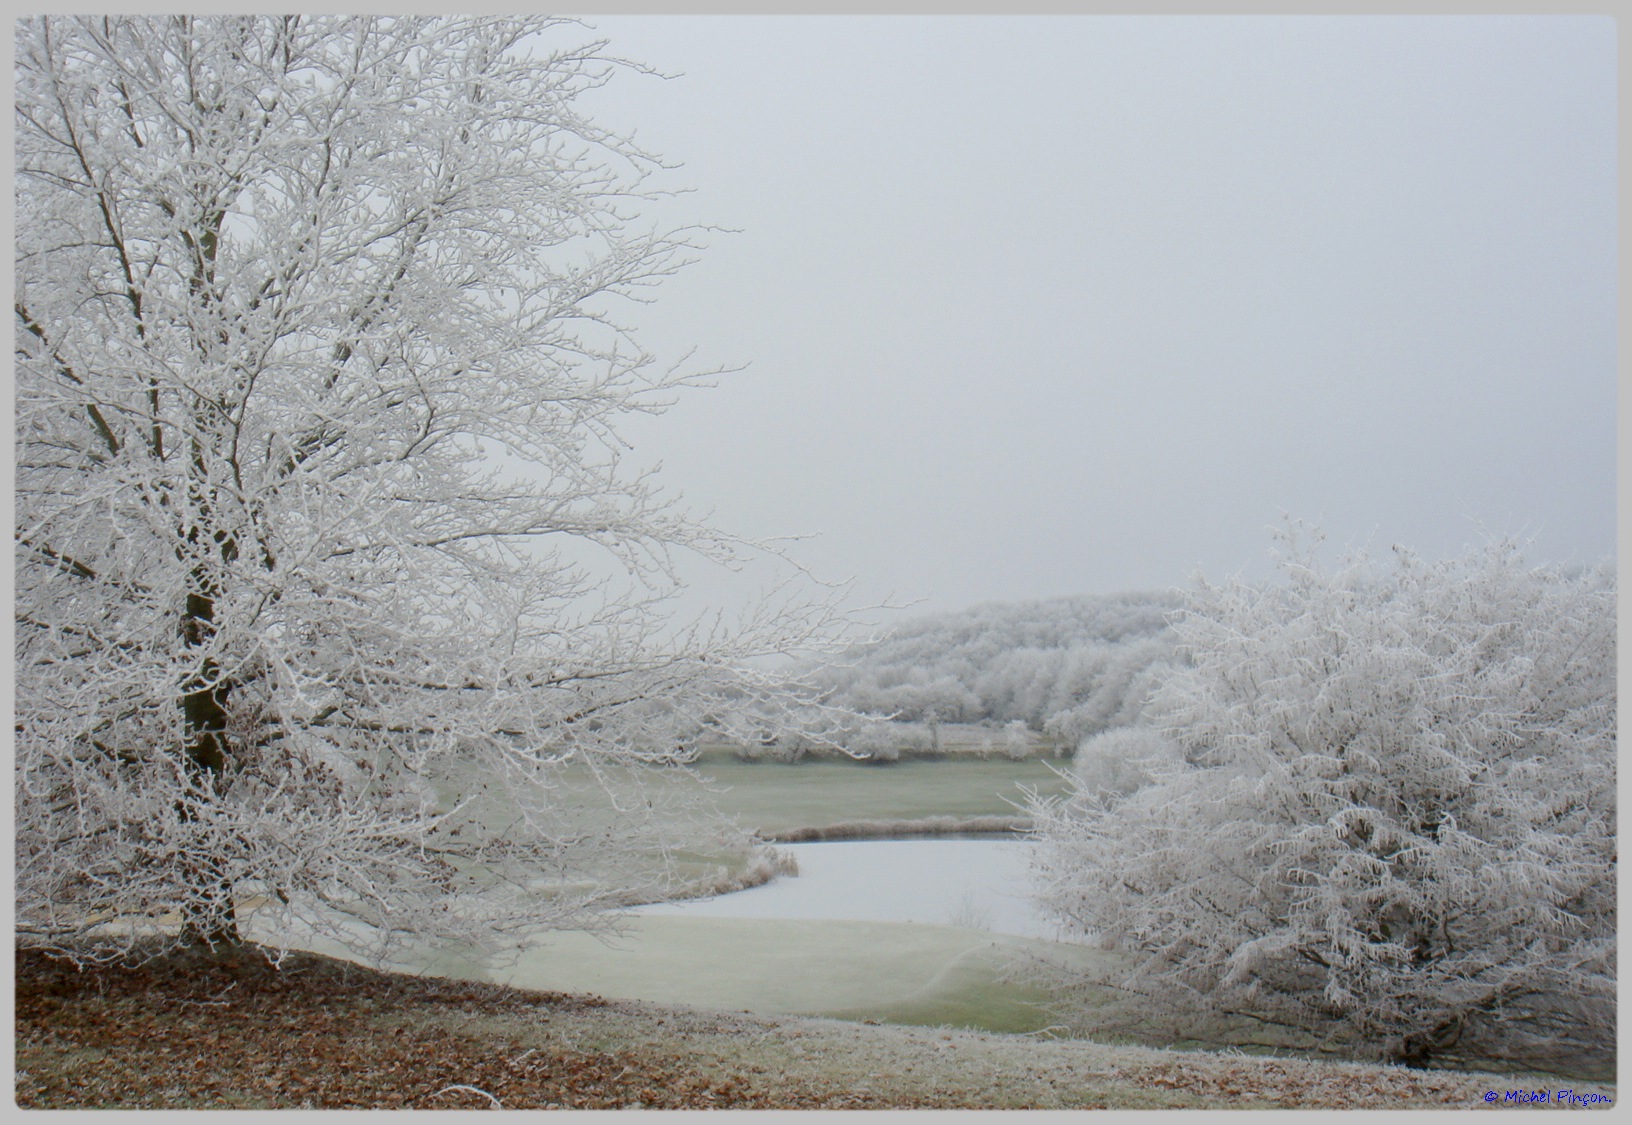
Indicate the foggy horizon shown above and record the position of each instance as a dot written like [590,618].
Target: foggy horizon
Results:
[1041,306]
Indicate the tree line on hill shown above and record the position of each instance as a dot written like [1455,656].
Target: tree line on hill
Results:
[1067,667]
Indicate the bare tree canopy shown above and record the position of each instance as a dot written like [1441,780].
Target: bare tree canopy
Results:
[322,517]
[1386,819]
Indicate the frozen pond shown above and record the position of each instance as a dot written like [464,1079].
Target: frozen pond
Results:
[981,884]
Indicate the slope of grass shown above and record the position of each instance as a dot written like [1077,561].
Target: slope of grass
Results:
[775,797]
[889,971]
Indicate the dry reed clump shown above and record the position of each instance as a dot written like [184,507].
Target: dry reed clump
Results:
[925,826]
[764,864]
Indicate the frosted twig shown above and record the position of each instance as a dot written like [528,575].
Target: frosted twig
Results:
[470,1090]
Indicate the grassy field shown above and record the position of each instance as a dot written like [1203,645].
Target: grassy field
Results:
[890,972]
[908,974]
[885,972]
[775,796]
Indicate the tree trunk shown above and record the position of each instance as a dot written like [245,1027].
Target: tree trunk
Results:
[208,916]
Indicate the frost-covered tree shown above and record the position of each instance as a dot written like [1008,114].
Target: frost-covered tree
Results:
[322,517]
[1391,824]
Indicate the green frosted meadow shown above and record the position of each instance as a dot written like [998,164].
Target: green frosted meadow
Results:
[891,972]
[776,797]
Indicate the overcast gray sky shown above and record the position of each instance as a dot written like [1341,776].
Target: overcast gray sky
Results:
[1058,305]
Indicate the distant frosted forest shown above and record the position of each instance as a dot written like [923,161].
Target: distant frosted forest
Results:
[1067,668]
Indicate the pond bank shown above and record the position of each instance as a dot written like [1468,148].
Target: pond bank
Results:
[926,931]
[877,829]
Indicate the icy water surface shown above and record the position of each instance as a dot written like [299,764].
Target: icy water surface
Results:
[982,884]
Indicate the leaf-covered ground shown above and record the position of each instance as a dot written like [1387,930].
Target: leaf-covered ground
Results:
[232,1032]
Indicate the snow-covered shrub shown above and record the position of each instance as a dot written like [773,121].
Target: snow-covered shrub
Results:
[1392,825]
[1116,762]
[875,742]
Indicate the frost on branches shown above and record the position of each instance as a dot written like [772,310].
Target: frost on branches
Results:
[317,389]
[1390,824]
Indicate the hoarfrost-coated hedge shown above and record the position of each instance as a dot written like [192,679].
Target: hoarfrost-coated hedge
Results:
[1391,825]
